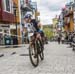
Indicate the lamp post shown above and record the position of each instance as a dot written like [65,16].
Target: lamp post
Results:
[15,13]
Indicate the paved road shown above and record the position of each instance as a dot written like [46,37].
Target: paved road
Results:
[59,59]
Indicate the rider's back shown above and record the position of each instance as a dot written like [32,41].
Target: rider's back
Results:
[35,24]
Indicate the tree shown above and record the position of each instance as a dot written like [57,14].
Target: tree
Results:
[48,31]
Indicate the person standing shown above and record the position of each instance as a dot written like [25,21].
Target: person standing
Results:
[59,39]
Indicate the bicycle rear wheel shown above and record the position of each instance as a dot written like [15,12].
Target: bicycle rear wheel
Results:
[41,50]
[33,54]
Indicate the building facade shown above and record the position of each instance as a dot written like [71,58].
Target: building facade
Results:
[8,18]
[27,7]
[68,17]
[55,24]
[18,20]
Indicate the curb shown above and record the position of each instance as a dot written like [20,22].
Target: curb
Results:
[12,46]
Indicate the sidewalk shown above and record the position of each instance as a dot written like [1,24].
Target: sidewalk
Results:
[10,50]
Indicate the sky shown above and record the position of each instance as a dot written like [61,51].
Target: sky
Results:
[49,9]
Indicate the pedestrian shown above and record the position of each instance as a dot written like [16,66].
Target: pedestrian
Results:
[59,39]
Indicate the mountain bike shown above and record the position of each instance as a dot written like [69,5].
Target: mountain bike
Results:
[35,51]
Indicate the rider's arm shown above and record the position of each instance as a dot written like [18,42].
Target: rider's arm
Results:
[40,25]
[25,27]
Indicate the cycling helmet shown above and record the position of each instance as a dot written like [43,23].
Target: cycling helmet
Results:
[27,16]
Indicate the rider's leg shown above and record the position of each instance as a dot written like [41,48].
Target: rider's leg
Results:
[40,38]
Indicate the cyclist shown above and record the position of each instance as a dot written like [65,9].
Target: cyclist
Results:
[33,27]
[28,26]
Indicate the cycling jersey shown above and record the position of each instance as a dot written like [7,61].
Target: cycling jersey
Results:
[30,30]
[35,24]
[29,27]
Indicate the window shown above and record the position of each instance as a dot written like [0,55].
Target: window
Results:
[7,5]
[22,2]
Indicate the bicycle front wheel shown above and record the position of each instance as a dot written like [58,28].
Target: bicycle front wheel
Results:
[33,54]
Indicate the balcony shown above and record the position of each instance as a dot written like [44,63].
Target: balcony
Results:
[68,13]
[7,17]
[26,7]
